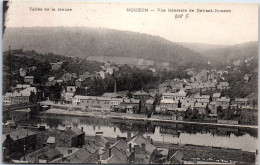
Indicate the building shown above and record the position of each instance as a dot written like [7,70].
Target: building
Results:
[144,151]
[223,86]
[142,96]
[19,140]
[241,102]
[56,66]
[87,154]
[131,105]
[96,102]
[168,104]
[216,96]
[223,102]
[16,97]
[150,105]
[67,97]
[120,152]
[201,108]
[70,137]
[29,79]
[176,158]
[71,89]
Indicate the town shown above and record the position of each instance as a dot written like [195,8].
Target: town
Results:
[47,85]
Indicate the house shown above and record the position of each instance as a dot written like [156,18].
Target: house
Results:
[144,151]
[87,154]
[176,158]
[223,86]
[51,78]
[79,82]
[22,86]
[109,70]
[215,96]
[201,107]
[142,96]
[213,109]
[29,79]
[120,151]
[187,103]
[201,97]
[168,104]
[71,89]
[49,156]
[241,102]
[16,97]
[150,105]
[223,102]
[50,141]
[19,139]
[67,97]
[96,102]
[7,99]
[131,105]
[70,137]
[56,66]
[246,77]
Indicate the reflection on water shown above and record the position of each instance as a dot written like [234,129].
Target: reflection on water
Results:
[237,138]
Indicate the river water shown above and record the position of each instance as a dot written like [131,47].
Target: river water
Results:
[235,138]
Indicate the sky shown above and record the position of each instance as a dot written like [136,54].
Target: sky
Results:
[219,28]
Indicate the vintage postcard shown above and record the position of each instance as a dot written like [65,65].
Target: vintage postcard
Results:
[130,82]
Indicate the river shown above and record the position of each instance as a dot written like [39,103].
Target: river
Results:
[226,137]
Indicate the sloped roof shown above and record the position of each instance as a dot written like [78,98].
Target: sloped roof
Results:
[139,140]
[241,99]
[223,99]
[150,101]
[115,159]
[51,153]
[216,95]
[177,156]
[50,140]
[141,93]
[33,157]
[200,105]
[20,134]
[169,101]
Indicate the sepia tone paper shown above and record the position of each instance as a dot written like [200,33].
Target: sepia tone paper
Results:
[130,83]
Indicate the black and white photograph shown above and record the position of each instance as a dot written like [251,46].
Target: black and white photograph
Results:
[129,82]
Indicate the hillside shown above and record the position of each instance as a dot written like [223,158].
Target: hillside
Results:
[225,54]
[85,42]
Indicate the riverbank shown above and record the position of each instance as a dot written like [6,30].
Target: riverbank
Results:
[125,116]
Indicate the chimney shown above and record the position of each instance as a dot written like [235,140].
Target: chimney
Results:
[128,136]
[109,152]
[149,139]
[82,130]
[107,145]
[130,147]
[143,147]
[69,151]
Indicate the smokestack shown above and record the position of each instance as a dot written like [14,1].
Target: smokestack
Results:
[115,86]
[82,130]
